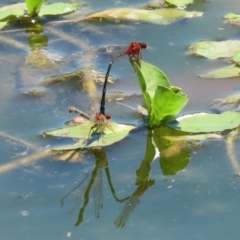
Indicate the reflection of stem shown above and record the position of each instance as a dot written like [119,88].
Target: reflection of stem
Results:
[127,210]
[62,200]
[76,41]
[5,135]
[13,42]
[230,149]
[97,193]
[24,161]
[86,196]
[111,186]
[89,187]
[131,204]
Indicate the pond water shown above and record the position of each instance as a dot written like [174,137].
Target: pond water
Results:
[99,197]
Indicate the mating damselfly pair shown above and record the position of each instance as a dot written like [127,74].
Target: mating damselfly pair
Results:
[116,53]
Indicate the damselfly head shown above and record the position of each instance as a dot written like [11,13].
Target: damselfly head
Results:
[143,45]
[71,109]
[108,116]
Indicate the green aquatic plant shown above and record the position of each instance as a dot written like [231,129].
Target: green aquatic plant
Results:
[30,12]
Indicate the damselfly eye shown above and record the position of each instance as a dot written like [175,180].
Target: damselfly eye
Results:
[143,45]
[108,116]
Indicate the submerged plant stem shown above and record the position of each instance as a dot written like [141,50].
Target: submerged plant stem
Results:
[24,161]
[13,42]
[69,38]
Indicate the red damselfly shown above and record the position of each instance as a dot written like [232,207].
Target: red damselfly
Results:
[133,51]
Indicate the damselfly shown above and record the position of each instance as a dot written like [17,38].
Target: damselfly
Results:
[133,51]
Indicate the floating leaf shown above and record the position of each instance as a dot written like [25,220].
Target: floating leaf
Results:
[214,50]
[58,9]
[10,12]
[233,18]
[179,3]
[236,57]
[206,122]
[225,72]
[162,16]
[81,132]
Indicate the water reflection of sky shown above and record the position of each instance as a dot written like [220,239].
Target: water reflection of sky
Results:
[200,202]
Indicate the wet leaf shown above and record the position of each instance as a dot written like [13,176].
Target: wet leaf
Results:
[225,72]
[162,16]
[206,122]
[214,50]
[179,3]
[81,132]
[232,18]
[58,9]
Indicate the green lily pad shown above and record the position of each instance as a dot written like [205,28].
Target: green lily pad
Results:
[206,122]
[162,16]
[180,3]
[58,9]
[81,131]
[232,18]
[225,72]
[236,57]
[214,50]
[11,12]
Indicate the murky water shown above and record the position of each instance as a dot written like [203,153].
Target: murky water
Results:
[99,197]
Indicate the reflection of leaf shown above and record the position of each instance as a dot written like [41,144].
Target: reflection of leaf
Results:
[58,8]
[174,157]
[176,147]
[213,49]
[233,18]
[81,132]
[207,122]
[225,72]
[143,173]
[179,3]
[163,16]
[71,156]
[227,103]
